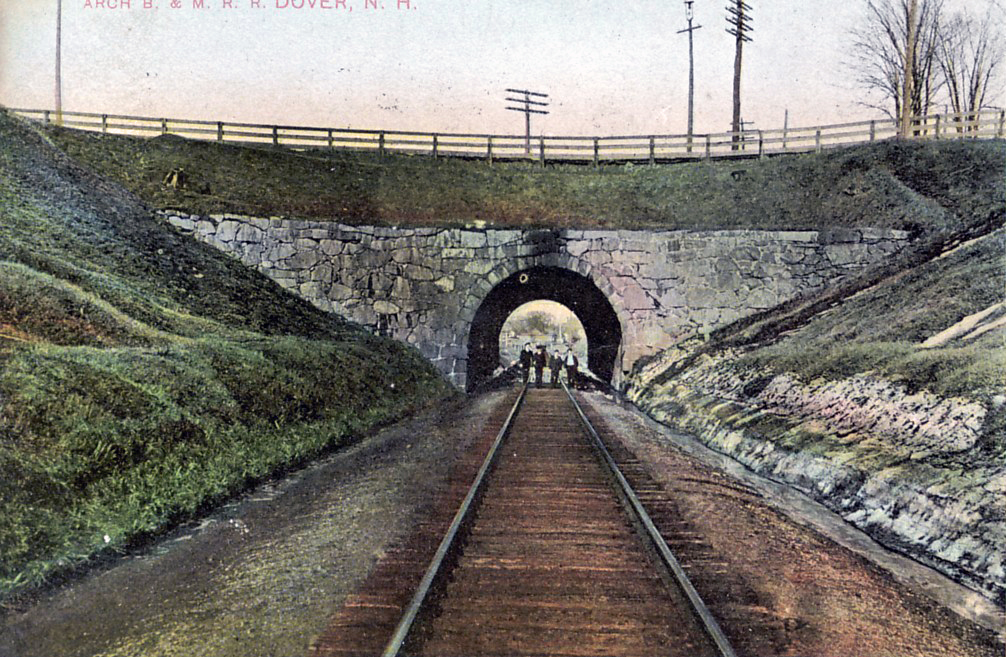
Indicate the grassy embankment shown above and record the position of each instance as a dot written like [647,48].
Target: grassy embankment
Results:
[942,192]
[145,376]
[876,323]
[885,186]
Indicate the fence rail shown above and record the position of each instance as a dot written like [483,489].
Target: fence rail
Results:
[985,124]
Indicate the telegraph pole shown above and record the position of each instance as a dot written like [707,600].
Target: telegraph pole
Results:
[908,84]
[689,14]
[527,110]
[59,82]
[740,19]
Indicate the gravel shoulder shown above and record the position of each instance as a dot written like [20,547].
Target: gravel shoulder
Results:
[260,576]
[833,590]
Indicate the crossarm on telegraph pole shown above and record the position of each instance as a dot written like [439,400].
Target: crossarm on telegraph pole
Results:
[526,103]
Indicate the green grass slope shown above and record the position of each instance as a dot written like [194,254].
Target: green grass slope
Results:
[144,375]
[918,186]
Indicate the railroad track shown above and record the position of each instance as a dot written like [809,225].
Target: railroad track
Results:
[548,552]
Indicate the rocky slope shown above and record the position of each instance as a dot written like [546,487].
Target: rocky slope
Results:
[905,442]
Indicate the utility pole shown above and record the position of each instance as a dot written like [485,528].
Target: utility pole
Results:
[740,19]
[689,14]
[908,89]
[59,82]
[527,110]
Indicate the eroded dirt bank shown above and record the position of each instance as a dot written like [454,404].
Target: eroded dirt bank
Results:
[259,577]
[901,466]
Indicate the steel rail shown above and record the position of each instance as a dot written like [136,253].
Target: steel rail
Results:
[709,623]
[397,640]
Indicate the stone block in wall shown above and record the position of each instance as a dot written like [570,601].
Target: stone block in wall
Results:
[340,292]
[660,269]
[796,236]
[472,239]
[248,233]
[303,259]
[478,267]
[322,273]
[184,223]
[280,252]
[330,247]
[227,230]
[838,236]
[842,255]
[629,295]
[672,298]
[760,298]
[418,273]
[205,228]
[577,248]
[699,296]
[386,307]
[669,246]
[445,283]
[312,290]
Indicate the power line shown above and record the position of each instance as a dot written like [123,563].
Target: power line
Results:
[528,110]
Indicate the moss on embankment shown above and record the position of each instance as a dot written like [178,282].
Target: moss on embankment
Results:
[144,376]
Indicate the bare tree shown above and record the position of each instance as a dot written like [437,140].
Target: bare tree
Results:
[970,58]
[899,36]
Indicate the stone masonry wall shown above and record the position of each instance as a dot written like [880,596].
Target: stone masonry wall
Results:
[424,285]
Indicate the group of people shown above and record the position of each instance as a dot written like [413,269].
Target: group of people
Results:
[541,359]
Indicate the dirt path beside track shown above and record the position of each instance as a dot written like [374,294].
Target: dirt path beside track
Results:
[259,577]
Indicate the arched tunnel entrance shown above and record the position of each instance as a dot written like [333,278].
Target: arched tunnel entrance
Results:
[576,292]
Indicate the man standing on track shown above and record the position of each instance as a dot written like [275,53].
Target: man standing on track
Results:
[571,362]
[526,356]
[540,359]
[555,365]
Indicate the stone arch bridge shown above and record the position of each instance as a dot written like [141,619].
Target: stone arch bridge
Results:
[447,291]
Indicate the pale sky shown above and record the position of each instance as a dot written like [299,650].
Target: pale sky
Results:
[610,67]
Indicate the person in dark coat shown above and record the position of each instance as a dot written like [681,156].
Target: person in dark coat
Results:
[526,356]
[540,360]
[555,364]
[571,362]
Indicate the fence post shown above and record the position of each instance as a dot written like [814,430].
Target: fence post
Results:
[709,147]
[541,150]
[937,126]
[1002,122]
[597,152]
[489,149]
[220,130]
[164,126]
[275,135]
[435,147]
[46,117]
[817,141]
[331,141]
[873,130]
[104,122]
[761,145]
[653,156]
[380,144]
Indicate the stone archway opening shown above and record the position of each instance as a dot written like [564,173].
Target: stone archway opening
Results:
[574,291]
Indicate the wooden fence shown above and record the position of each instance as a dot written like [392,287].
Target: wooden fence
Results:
[634,148]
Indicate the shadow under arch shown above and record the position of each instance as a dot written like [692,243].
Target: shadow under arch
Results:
[573,290]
